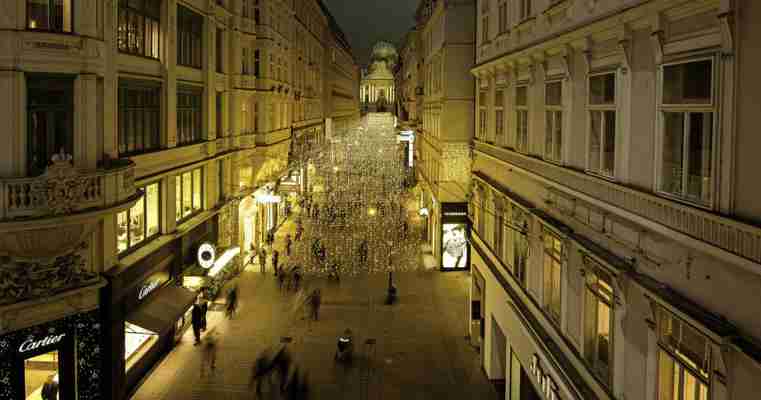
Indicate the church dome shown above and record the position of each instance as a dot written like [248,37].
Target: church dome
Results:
[385,51]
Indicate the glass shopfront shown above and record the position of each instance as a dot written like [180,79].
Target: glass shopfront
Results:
[40,362]
[137,342]
[41,376]
[454,237]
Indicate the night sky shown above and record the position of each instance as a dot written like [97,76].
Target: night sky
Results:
[366,22]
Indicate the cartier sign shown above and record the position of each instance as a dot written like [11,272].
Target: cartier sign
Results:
[31,344]
[547,386]
[146,289]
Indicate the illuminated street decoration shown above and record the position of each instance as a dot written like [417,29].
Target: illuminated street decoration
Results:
[361,204]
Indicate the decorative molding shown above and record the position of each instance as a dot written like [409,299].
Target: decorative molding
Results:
[24,280]
[726,24]
[624,45]
[656,38]
[566,60]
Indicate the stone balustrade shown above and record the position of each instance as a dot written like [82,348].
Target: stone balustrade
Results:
[63,189]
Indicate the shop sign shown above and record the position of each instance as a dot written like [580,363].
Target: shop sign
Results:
[206,255]
[455,214]
[147,288]
[31,344]
[548,386]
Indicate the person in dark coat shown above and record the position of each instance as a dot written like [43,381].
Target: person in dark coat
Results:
[50,388]
[315,299]
[288,243]
[232,302]
[204,310]
[196,320]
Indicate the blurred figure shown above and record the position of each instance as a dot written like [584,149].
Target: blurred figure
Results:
[209,354]
[261,369]
[315,299]
[288,243]
[275,258]
[232,302]
[262,259]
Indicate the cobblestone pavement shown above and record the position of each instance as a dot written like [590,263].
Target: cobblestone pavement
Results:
[419,350]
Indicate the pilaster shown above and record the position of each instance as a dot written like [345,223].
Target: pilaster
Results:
[86,121]
[170,74]
[12,112]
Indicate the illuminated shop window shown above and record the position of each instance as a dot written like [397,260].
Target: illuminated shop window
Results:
[684,359]
[188,194]
[140,223]
[553,267]
[137,342]
[598,320]
[41,376]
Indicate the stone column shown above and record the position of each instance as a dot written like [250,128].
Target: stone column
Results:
[170,75]
[13,115]
[86,121]
[169,204]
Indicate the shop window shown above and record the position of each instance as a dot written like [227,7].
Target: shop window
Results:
[139,224]
[50,15]
[220,114]
[683,359]
[220,55]
[257,62]
[687,117]
[521,118]
[139,118]
[520,246]
[137,342]
[189,115]
[602,124]
[553,103]
[188,194]
[189,38]
[41,376]
[482,119]
[138,28]
[499,116]
[553,267]
[50,124]
[598,320]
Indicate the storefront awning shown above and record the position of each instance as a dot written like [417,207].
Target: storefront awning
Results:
[163,309]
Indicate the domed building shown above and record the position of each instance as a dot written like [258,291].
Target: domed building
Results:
[377,86]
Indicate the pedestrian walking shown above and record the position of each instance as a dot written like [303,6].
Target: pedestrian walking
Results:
[262,259]
[271,236]
[209,355]
[196,320]
[50,388]
[275,258]
[282,363]
[296,279]
[315,299]
[281,279]
[299,230]
[261,369]
[288,243]
[232,302]
[204,310]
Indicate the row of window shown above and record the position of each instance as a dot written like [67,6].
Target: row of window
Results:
[142,222]
[686,118]
[684,353]
[139,116]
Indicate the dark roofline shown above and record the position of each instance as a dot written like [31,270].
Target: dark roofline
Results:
[336,30]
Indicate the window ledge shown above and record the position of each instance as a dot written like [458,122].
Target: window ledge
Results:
[683,200]
[525,24]
[557,8]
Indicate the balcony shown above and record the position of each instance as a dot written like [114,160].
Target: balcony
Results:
[49,215]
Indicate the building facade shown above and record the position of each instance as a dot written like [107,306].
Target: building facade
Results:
[406,80]
[445,54]
[140,134]
[615,232]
